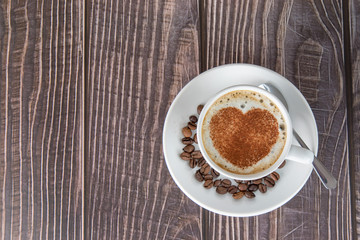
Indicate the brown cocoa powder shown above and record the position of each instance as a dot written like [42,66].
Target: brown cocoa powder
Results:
[243,139]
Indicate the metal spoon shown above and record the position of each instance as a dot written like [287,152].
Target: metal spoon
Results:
[325,176]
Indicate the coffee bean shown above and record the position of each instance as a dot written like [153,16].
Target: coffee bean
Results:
[233,189]
[248,182]
[189,148]
[199,176]
[238,181]
[249,194]
[199,109]
[226,183]
[205,165]
[192,163]
[257,181]
[221,190]
[217,183]
[186,132]
[207,169]
[192,126]
[269,182]
[238,195]
[208,184]
[242,186]
[193,119]
[187,140]
[253,187]
[201,162]
[185,156]
[208,177]
[275,176]
[282,164]
[195,138]
[262,188]
[214,173]
[196,154]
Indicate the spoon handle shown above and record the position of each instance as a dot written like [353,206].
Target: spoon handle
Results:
[325,176]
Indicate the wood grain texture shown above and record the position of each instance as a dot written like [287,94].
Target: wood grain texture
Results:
[302,40]
[354,12]
[140,54]
[40,119]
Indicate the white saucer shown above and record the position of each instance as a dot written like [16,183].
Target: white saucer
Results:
[292,177]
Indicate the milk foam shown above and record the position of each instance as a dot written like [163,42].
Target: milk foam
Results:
[244,100]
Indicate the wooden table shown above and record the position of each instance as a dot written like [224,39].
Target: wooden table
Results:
[84,91]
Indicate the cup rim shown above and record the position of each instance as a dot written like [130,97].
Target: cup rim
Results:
[285,150]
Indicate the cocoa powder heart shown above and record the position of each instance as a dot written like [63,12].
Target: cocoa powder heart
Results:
[243,139]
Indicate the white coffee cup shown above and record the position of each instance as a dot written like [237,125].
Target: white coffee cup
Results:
[289,152]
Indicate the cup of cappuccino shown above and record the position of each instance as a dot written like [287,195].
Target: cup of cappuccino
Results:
[245,133]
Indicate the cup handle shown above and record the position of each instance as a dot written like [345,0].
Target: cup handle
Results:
[300,155]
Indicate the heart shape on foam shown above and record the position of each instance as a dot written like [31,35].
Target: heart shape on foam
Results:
[243,139]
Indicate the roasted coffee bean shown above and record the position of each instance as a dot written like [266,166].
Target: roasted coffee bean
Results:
[185,156]
[269,182]
[233,189]
[282,164]
[199,176]
[207,169]
[195,138]
[238,181]
[249,194]
[205,165]
[196,154]
[221,190]
[217,183]
[214,173]
[253,187]
[262,188]
[242,186]
[208,184]
[201,162]
[192,163]
[186,132]
[226,183]
[192,126]
[275,176]
[238,195]
[199,108]
[248,182]
[193,119]
[189,148]
[257,181]
[208,177]
[187,140]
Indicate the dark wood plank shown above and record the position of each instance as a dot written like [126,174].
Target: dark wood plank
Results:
[40,119]
[354,12]
[302,40]
[140,55]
